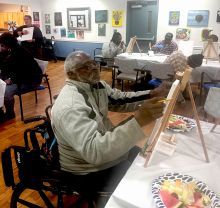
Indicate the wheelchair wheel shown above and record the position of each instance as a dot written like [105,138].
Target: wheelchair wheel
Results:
[16,201]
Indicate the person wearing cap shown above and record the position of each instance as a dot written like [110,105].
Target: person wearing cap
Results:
[34,45]
[19,70]
[166,46]
[89,144]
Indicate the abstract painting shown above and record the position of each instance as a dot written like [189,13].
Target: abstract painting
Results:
[101,16]
[58,18]
[174,17]
[198,18]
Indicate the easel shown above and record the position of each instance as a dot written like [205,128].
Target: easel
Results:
[210,50]
[130,46]
[178,86]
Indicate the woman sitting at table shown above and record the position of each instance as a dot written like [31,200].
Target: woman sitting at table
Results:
[112,49]
[19,70]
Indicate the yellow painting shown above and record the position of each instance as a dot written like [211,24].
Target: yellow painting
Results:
[117,18]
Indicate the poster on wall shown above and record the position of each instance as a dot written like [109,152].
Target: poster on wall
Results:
[80,34]
[182,33]
[47,18]
[174,17]
[48,29]
[36,16]
[71,34]
[198,18]
[101,16]
[218,16]
[117,18]
[63,32]
[101,29]
[58,18]
[205,32]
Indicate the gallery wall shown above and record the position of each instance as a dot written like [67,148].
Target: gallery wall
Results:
[183,6]
[165,6]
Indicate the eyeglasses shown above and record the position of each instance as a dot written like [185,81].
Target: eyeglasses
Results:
[88,64]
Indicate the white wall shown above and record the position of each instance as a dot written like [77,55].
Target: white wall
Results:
[183,6]
[51,6]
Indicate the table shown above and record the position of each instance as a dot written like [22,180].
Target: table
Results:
[153,63]
[2,92]
[134,190]
[212,68]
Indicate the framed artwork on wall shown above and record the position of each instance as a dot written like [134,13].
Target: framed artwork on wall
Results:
[182,33]
[58,18]
[218,16]
[47,18]
[101,29]
[117,18]
[174,17]
[48,29]
[79,18]
[198,18]
[101,16]
[36,16]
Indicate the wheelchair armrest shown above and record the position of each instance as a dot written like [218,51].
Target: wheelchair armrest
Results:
[35,118]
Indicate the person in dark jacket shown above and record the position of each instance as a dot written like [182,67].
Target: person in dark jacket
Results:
[18,69]
[34,45]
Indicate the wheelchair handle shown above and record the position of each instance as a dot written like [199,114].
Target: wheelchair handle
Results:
[35,118]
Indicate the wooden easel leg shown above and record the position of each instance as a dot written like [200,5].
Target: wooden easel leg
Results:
[197,122]
[213,128]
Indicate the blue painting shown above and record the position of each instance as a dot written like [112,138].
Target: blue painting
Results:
[198,18]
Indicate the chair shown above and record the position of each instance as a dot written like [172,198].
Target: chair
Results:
[212,104]
[128,71]
[38,169]
[207,85]
[43,66]
[98,58]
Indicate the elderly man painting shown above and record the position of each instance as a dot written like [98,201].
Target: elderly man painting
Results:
[88,143]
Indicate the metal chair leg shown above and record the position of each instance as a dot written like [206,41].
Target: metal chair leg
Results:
[21,107]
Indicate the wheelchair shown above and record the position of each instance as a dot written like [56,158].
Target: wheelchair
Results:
[38,169]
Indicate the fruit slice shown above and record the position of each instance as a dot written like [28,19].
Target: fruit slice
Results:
[169,200]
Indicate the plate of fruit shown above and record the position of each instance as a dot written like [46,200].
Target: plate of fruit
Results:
[175,190]
[179,123]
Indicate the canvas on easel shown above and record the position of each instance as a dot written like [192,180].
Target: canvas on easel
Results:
[178,86]
[211,50]
[131,44]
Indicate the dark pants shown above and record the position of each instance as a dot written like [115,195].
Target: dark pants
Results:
[105,180]
[10,91]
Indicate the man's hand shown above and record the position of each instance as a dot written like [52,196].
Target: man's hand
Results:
[162,90]
[149,111]
[25,32]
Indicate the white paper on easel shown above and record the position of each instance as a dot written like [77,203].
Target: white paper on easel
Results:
[29,35]
[2,92]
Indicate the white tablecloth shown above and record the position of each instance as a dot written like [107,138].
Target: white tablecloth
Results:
[128,62]
[2,92]
[134,191]
[212,68]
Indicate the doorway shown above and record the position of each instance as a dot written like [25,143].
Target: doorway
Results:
[142,17]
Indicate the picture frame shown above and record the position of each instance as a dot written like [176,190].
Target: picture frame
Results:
[79,18]
[174,17]
[218,16]
[58,19]
[198,18]
[101,16]
[183,33]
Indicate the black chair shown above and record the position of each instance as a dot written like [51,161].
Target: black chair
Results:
[103,62]
[48,49]
[38,169]
[45,84]
[206,85]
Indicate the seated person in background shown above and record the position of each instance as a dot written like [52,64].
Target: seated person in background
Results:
[88,143]
[34,45]
[166,46]
[115,47]
[18,69]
